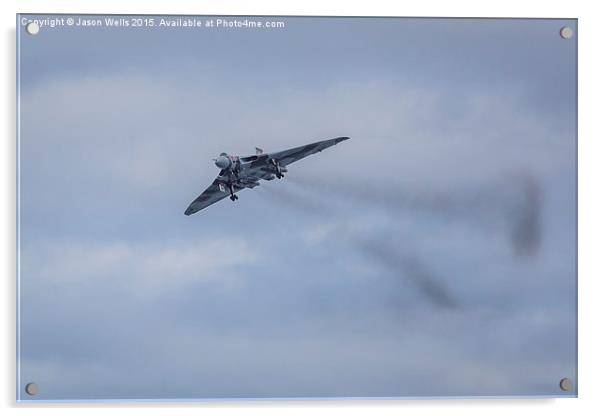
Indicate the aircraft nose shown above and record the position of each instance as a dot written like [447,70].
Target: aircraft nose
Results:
[222,162]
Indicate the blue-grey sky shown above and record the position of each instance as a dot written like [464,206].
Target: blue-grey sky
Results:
[433,254]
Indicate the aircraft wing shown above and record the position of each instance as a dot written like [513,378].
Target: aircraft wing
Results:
[286,157]
[210,196]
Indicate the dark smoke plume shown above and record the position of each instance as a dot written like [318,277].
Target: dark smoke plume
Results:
[525,218]
[412,269]
[512,203]
[404,265]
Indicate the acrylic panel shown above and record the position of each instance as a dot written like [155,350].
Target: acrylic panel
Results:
[231,207]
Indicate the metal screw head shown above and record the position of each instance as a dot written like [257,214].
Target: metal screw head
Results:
[566,384]
[31,389]
[566,32]
[32,28]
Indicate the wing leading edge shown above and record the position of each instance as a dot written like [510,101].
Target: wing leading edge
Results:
[286,157]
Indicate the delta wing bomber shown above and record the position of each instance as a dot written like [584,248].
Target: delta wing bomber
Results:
[240,172]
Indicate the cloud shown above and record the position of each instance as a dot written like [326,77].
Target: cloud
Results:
[144,270]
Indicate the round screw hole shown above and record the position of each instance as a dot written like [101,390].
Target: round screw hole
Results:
[32,28]
[566,384]
[31,389]
[566,32]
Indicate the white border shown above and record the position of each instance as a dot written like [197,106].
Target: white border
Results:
[590,200]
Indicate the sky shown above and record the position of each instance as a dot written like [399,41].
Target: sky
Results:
[433,254]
